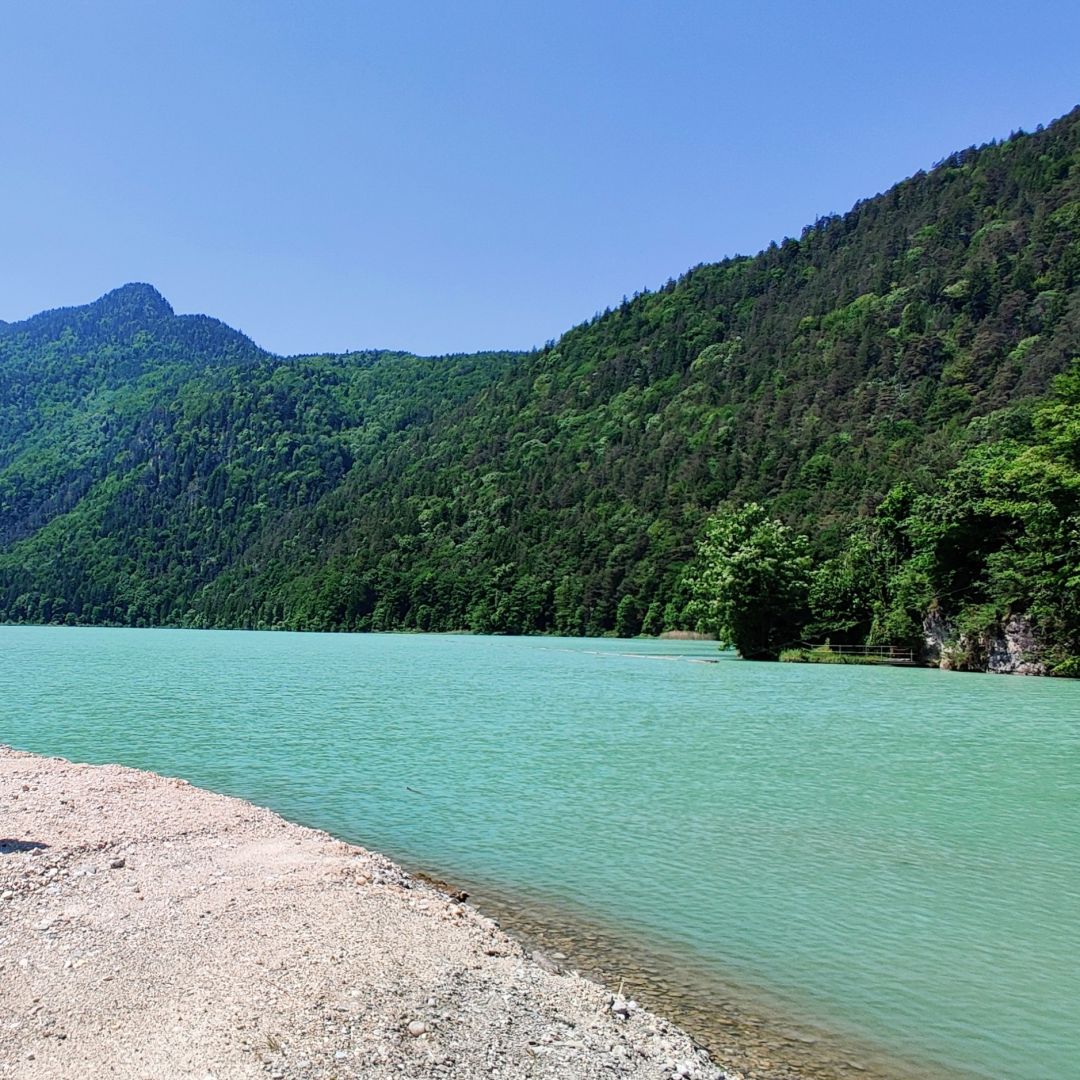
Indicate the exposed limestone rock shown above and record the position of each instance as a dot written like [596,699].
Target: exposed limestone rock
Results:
[1012,648]
[1015,650]
[938,633]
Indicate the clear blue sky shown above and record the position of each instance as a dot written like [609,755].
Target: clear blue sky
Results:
[452,176]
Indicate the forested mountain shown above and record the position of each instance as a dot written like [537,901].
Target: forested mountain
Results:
[76,384]
[142,453]
[157,469]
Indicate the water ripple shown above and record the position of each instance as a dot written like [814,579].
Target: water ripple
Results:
[891,852]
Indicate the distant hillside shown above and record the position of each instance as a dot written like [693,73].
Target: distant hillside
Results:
[161,469]
[142,453]
[76,386]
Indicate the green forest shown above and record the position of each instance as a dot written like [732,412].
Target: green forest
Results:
[854,431]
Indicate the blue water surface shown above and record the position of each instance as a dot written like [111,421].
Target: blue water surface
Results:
[893,852]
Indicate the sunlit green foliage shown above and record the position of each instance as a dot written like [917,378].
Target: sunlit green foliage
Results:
[999,536]
[752,582]
[157,469]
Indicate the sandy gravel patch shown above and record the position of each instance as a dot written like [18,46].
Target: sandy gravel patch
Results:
[149,929]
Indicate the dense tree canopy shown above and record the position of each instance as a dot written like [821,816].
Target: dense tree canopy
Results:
[752,583]
[999,536]
[874,384]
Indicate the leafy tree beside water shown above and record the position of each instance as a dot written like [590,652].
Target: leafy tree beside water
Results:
[752,582]
[997,538]
[1000,537]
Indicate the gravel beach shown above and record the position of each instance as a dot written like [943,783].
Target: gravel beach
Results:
[150,929]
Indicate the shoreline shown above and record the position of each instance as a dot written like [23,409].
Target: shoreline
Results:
[152,929]
[745,1041]
[749,1030]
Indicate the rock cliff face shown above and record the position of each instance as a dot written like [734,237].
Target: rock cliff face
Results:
[1015,650]
[938,638]
[1012,648]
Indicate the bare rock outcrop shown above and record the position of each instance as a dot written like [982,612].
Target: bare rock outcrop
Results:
[1010,648]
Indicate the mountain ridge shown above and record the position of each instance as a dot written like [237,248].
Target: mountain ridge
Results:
[565,489]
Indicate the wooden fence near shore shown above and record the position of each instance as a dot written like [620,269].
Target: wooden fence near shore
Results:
[884,654]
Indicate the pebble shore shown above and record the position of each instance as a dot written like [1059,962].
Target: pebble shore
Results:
[150,929]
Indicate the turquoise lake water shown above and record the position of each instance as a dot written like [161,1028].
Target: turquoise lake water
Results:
[891,853]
